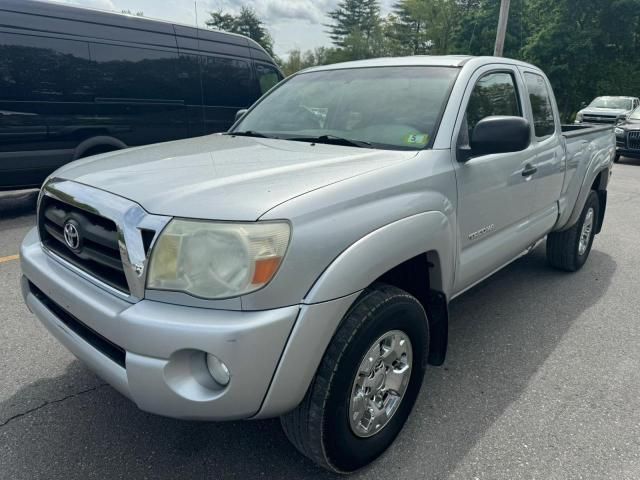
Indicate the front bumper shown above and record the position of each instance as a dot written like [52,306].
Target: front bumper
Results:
[625,152]
[163,346]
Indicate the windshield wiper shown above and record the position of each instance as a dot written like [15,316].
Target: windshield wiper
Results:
[333,140]
[248,133]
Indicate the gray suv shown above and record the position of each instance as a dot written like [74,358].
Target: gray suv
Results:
[301,265]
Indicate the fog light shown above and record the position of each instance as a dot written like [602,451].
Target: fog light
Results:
[218,370]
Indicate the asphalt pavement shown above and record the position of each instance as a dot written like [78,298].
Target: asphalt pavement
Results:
[542,381]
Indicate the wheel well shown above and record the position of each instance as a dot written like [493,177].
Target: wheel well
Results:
[420,277]
[411,276]
[98,149]
[599,186]
[96,145]
[596,182]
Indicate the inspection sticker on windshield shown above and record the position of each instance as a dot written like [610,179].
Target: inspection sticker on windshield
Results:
[420,139]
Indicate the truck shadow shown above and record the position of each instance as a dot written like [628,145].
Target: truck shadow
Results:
[630,160]
[501,334]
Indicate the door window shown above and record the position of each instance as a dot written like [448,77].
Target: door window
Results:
[189,85]
[268,77]
[135,73]
[543,119]
[494,94]
[44,69]
[226,82]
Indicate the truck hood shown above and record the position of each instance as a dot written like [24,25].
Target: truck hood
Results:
[609,112]
[630,124]
[223,177]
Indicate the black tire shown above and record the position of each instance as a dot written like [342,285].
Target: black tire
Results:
[563,250]
[319,427]
[616,158]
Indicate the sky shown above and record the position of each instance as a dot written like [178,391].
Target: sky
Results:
[294,24]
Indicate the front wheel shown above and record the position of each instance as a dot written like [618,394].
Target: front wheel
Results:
[367,382]
[569,250]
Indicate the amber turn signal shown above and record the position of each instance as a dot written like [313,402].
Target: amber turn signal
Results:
[265,268]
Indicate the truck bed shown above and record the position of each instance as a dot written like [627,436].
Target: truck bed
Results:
[579,129]
[588,148]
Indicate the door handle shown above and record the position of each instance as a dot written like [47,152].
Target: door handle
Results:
[529,170]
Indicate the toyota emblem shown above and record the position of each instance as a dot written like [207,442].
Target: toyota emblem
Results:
[72,235]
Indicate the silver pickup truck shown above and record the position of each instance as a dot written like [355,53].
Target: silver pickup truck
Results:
[301,264]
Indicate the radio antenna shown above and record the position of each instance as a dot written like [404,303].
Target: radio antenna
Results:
[195,8]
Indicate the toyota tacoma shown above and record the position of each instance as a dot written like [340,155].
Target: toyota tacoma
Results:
[301,264]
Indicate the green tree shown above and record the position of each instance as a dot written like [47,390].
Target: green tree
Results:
[474,32]
[135,14]
[299,60]
[357,31]
[419,27]
[351,16]
[408,31]
[586,47]
[245,23]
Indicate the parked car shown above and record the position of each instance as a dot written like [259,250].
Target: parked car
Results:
[76,82]
[301,264]
[628,136]
[607,110]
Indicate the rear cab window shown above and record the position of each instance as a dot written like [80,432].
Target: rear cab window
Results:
[543,119]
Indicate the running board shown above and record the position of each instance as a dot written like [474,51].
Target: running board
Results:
[526,251]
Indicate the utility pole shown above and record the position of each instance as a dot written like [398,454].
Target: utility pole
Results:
[502,28]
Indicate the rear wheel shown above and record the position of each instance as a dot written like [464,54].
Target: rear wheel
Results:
[367,382]
[569,250]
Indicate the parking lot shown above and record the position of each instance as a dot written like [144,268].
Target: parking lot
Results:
[542,381]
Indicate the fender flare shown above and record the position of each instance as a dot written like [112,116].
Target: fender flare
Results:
[98,141]
[595,169]
[337,289]
[362,263]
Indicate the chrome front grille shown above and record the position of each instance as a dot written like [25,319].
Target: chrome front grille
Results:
[633,140]
[98,252]
[103,237]
[598,119]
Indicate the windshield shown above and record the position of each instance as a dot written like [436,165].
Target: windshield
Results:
[379,107]
[635,115]
[612,102]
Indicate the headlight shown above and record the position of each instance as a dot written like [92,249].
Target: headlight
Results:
[618,131]
[217,260]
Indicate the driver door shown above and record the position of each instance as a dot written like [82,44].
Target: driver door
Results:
[495,192]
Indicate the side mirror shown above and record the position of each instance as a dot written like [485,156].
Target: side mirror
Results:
[240,114]
[500,134]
